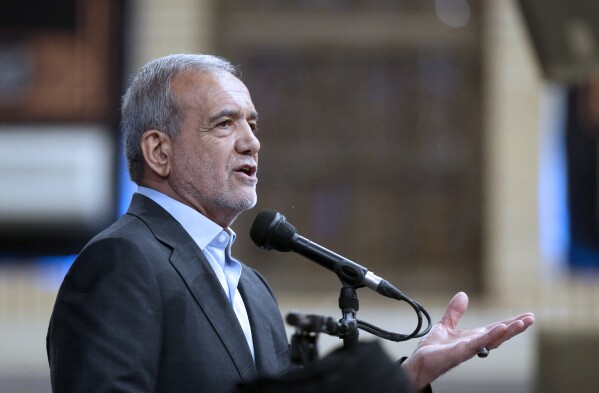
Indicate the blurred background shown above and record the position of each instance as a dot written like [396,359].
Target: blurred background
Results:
[446,144]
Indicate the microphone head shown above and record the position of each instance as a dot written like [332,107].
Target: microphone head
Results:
[271,230]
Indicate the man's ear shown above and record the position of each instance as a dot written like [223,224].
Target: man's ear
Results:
[156,147]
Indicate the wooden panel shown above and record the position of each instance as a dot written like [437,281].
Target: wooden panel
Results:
[373,152]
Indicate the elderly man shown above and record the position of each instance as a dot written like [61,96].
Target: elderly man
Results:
[156,302]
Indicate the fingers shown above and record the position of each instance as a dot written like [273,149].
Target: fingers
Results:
[492,335]
[497,333]
[512,329]
[487,339]
[507,321]
[455,309]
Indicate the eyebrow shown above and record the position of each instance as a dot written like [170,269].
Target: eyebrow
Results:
[231,113]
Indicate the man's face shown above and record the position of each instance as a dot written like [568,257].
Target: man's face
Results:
[215,156]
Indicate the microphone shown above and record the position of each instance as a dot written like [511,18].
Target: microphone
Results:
[271,230]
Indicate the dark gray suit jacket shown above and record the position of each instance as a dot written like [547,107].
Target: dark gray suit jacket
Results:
[141,310]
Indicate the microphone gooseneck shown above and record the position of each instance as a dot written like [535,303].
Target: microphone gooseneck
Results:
[272,231]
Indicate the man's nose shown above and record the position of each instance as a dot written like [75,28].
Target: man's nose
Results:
[248,142]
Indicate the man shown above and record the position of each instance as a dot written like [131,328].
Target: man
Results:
[156,303]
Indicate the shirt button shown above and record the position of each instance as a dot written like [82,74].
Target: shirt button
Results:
[222,238]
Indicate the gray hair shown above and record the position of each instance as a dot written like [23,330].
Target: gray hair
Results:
[150,104]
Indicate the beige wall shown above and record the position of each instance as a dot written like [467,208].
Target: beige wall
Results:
[512,111]
[159,28]
[515,272]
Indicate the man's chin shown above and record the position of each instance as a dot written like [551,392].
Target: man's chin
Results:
[238,201]
[247,203]
[250,204]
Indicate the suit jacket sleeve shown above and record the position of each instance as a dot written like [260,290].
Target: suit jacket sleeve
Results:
[105,330]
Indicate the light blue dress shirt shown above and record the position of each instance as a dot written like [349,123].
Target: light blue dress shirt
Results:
[215,242]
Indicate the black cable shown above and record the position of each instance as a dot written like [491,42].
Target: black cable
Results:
[388,290]
[391,336]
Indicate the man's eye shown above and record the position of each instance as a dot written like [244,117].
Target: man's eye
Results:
[254,127]
[224,124]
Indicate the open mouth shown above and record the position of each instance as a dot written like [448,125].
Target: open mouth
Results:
[249,170]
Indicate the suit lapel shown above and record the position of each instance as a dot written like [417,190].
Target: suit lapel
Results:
[200,279]
[264,350]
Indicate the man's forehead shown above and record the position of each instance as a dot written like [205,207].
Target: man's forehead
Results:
[197,81]
[213,96]
[205,87]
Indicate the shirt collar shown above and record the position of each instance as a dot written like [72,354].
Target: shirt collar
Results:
[198,226]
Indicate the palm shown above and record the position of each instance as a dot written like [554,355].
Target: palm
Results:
[446,346]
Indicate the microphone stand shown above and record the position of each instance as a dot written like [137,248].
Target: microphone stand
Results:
[304,342]
[349,305]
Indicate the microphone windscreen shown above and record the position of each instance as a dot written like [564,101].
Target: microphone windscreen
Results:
[271,230]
